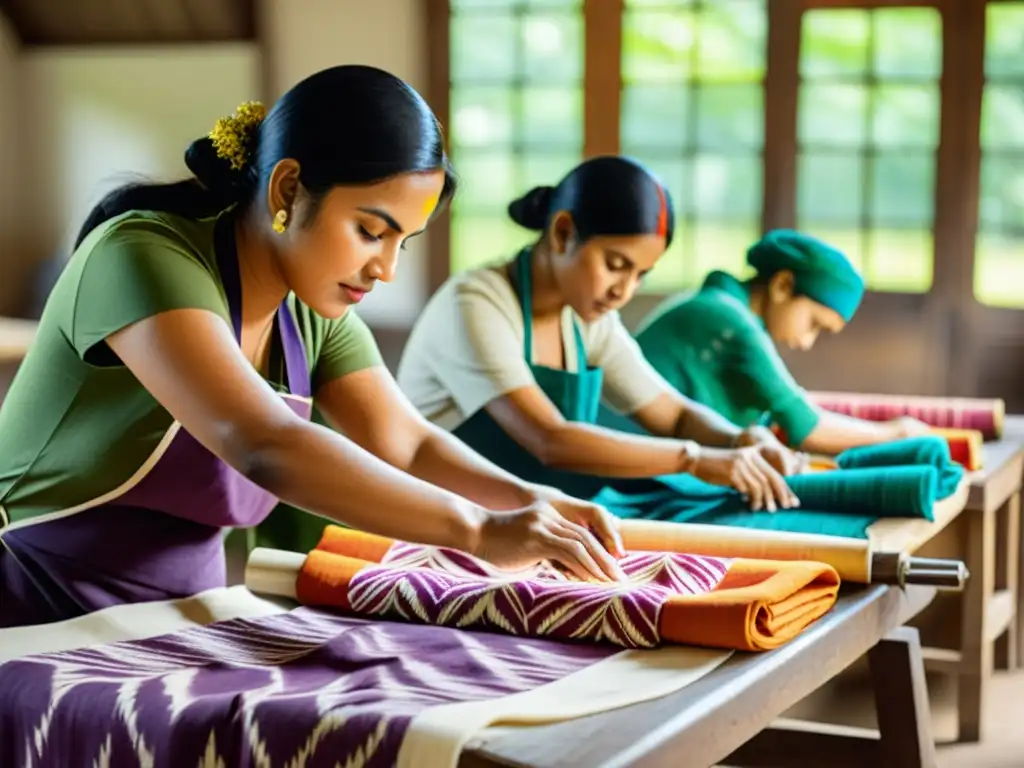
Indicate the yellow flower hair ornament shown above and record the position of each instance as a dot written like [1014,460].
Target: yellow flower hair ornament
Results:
[232,136]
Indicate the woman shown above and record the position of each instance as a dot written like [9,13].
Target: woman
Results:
[525,393]
[167,393]
[718,346]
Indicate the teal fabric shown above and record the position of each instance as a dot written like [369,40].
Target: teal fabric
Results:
[577,395]
[904,478]
[822,273]
[928,450]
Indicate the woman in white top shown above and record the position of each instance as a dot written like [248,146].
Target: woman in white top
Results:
[526,394]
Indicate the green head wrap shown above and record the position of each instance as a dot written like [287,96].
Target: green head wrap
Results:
[822,273]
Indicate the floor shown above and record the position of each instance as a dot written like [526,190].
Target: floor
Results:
[848,701]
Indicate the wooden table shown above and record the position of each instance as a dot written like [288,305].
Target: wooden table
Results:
[15,338]
[725,716]
[989,530]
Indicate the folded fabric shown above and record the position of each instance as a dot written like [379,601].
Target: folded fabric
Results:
[904,478]
[925,451]
[750,605]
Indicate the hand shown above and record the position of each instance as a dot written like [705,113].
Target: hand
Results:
[746,470]
[593,517]
[524,537]
[907,426]
[781,458]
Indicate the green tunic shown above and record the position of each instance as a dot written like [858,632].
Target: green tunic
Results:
[76,423]
[713,349]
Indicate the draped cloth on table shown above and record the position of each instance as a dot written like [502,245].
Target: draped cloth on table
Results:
[742,604]
[229,679]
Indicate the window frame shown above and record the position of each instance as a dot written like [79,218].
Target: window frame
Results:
[957,155]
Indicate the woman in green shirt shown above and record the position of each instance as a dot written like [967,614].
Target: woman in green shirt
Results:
[718,346]
[166,396]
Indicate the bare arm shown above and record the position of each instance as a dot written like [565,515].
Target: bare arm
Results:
[835,433]
[369,408]
[675,415]
[532,420]
[230,410]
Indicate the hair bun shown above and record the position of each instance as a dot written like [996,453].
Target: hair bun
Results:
[214,173]
[532,209]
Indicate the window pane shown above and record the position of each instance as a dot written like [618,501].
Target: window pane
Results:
[539,169]
[906,116]
[727,188]
[723,246]
[672,272]
[834,43]
[479,240]
[900,260]
[488,181]
[731,41]
[1004,40]
[903,190]
[483,47]
[552,47]
[654,116]
[657,46]
[482,117]
[999,270]
[1002,115]
[730,116]
[552,117]
[908,42]
[1002,195]
[832,115]
[830,189]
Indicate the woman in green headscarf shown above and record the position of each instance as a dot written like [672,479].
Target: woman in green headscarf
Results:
[718,346]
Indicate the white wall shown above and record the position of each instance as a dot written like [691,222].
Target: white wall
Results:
[95,117]
[12,271]
[100,117]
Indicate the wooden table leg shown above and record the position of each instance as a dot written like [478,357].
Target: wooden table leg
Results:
[976,651]
[901,700]
[1007,651]
[904,736]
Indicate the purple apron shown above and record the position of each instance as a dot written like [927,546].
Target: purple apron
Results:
[162,537]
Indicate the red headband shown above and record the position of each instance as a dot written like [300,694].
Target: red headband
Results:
[662,230]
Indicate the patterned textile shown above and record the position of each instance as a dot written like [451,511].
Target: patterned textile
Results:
[295,689]
[670,597]
[985,416]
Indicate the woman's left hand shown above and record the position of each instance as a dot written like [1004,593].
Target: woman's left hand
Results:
[594,517]
[782,459]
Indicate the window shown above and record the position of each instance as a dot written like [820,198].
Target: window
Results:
[999,249]
[867,132]
[516,102]
[693,112]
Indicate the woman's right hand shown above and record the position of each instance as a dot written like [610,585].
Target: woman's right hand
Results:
[523,537]
[746,470]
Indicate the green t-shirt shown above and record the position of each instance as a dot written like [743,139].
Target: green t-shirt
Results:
[714,350]
[76,423]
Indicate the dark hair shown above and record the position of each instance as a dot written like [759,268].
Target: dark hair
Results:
[344,125]
[607,195]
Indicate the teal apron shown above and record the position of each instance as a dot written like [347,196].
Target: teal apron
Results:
[900,479]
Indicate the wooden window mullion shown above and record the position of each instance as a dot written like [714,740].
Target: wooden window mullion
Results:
[781,88]
[438,17]
[602,76]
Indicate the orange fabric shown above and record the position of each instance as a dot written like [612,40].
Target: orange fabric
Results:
[758,605]
[965,446]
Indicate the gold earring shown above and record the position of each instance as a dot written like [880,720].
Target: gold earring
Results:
[280,220]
